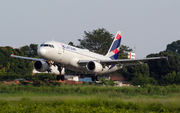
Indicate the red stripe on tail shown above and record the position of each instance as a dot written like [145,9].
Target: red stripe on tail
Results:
[118,36]
[115,51]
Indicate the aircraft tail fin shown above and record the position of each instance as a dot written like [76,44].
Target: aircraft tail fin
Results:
[115,46]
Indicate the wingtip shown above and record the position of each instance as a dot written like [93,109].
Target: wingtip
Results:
[164,57]
[12,55]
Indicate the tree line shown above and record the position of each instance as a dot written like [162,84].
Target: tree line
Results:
[15,65]
[156,72]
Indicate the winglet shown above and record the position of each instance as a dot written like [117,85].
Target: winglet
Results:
[166,57]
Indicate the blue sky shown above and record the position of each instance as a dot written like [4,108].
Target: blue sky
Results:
[147,24]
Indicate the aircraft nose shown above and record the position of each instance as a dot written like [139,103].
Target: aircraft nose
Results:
[41,51]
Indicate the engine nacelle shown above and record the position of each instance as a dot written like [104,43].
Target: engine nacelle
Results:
[41,66]
[94,66]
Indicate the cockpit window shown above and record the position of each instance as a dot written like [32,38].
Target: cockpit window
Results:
[51,46]
[47,45]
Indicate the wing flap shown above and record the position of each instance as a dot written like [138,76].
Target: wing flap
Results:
[127,62]
[124,62]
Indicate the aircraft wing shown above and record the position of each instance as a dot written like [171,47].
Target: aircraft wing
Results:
[27,58]
[124,62]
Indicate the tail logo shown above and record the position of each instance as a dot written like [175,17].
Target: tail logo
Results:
[114,50]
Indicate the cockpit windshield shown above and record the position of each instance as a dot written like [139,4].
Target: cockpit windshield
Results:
[47,45]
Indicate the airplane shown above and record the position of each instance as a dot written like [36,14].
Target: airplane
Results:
[76,59]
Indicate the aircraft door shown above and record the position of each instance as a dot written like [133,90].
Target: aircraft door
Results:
[60,52]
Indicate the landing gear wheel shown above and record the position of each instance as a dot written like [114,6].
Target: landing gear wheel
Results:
[93,78]
[62,77]
[97,78]
[58,77]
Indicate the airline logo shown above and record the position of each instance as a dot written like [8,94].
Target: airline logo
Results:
[115,47]
[114,51]
[68,47]
[62,45]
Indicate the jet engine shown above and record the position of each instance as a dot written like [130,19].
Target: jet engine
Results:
[94,66]
[41,66]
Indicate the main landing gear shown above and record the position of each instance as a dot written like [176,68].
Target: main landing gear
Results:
[95,78]
[60,77]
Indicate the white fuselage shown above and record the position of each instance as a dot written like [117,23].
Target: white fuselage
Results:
[68,57]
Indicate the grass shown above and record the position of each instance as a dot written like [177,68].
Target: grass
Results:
[83,98]
[90,103]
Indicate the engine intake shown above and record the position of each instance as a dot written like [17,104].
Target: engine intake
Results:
[41,66]
[94,66]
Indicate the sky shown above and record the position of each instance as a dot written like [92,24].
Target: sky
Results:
[147,25]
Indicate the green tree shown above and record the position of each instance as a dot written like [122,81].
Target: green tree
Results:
[25,50]
[98,41]
[71,44]
[160,68]
[138,75]
[107,82]
[13,65]
[33,50]
[122,55]
[125,48]
[174,48]
[169,79]
[30,51]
